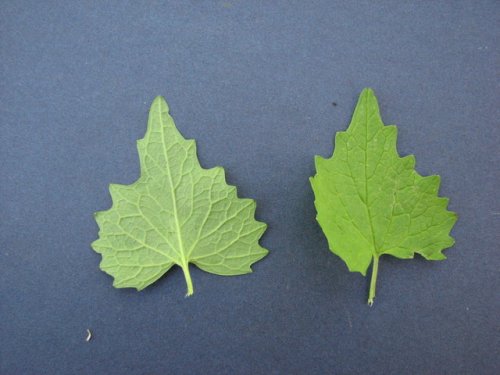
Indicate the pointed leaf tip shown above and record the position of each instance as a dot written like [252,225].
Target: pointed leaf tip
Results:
[160,100]
[368,95]
[367,91]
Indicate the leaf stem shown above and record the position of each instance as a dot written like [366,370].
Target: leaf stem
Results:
[373,283]
[189,282]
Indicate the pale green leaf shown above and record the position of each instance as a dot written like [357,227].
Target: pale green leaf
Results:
[176,213]
[371,202]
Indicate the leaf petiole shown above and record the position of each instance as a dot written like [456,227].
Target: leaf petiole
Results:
[373,283]
[189,282]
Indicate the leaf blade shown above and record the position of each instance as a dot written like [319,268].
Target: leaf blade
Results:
[161,219]
[371,202]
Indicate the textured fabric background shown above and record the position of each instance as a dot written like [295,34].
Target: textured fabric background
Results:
[253,82]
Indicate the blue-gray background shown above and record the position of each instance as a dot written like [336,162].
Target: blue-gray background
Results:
[253,82]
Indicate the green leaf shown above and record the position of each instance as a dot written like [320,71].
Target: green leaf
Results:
[175,213]
[371,202]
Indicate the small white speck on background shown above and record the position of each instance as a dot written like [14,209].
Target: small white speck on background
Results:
[89,335]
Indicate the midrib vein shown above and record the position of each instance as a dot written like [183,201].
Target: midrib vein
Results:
[366,179]
[169,174]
